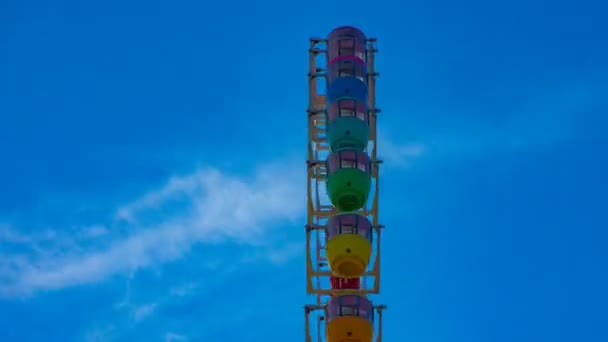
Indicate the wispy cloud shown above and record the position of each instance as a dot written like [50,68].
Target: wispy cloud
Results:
[173,337]
[8,234]
[104,334]
[207,206]
[399,154]
[94,231]
[143,311]
[557,112]
[183,290]
[136,312]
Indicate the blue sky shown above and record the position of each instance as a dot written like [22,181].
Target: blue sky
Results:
[152,155]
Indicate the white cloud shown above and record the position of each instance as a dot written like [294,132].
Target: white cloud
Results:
[10,235]
[143,311]
[214,207]
[136,312]
[399,155]
[558,112]
[282,254]
[105,334]
[94,231]
[183,289]
[173,337]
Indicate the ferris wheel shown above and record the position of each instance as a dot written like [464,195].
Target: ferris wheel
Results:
[342,231]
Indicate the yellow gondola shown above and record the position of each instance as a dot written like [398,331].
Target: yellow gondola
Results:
[349,244]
